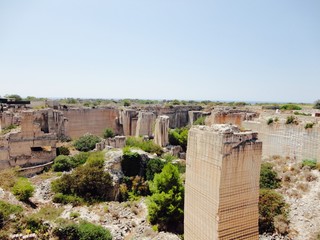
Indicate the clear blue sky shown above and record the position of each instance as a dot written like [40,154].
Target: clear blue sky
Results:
[251,50]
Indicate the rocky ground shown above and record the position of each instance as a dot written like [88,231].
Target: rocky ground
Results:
[126,220]
[301,190]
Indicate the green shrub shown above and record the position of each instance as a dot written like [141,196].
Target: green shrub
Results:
[23,189]
[165,206]
[268,177]
[309,125]
[131,164]
[316,104]
[147,146]
[36,225]
[290,107]
[200,121]
[74,215]
[6,209]
[96,159]
[8,129]
[271,205]
[311,163]
[67,232]
[154,165]
[67,199]
[169,157]
[179,136]
[63,151]
[270,120]
[86,143]
[62,163]
[126,103]
[89,231]
[291,120]
[108,133]
[79,159]
[88,181]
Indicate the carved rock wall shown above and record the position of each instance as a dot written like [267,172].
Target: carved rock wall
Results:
[222,184]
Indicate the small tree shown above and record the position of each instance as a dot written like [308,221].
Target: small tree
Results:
[268,177]
[23,189]
[86,143]
[154,165]
[271,205]
[108,133]
[165,206]
[317,104]
[62,163]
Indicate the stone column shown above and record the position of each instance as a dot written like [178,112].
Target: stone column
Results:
[145,124]
[161,131]
[222,183]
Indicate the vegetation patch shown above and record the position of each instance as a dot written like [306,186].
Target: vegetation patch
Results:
[23,189]
[146,145]
[268,177]
[86,143]
[179,136]
[165,205]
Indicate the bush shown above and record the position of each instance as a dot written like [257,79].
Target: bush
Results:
[165,206]
[270,120]
[36,225]
[308,125]
[147,146]
[8,178]
[131,164]
[154,166]
[67,232]
[6,209]
[23,189]
[86,142]
[108,133]
[271,205]
[268,177]
[63,151]
[79,159]
[67,199]
[179,136]
[291,120]
[89,181]
[62,163]
[200,121]
[316,104]
[290,107]
[311,163]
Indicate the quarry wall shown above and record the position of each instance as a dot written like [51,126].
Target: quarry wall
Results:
[222,184]
[288,140]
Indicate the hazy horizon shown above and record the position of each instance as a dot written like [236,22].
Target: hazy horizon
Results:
[252,51]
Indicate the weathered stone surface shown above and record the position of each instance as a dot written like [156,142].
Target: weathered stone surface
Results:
[222,184]
[230,116]
[161,131]
[128,118]
[145,124]
[30,146]
[116,142]
[287,140]
[94,121]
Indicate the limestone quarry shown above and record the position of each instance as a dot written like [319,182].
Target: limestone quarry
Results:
[219,168]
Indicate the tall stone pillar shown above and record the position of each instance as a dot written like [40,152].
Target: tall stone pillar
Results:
[222,183]
[161,131]
[145,124]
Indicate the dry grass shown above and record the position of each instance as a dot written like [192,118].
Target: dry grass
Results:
[8,178]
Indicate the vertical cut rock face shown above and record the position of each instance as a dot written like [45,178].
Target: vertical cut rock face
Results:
[145,124]
[161,131]
[222,183]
